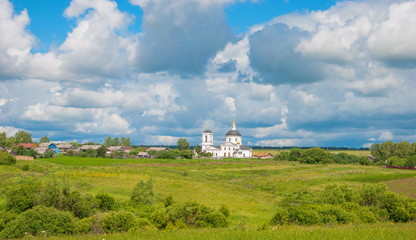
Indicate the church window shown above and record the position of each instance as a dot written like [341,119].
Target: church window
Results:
[229,139]
[244,155]
[206,138]
[236,139]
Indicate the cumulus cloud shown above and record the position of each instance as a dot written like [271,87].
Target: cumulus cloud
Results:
[15,42]
[180,36]
[393,41]
[386,136]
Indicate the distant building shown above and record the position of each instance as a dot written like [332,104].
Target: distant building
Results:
[262,155]
[28,145]
[232,147]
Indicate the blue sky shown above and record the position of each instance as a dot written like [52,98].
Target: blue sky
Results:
[292,73]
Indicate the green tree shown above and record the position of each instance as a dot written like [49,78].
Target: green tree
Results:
[23,137]
[108,141]
[125,141]
[182,144]
[11,142]
[295,154]
[403,149]
[315,155]
[44,139]
[101,151]
[115,142]
[197,149]
[3,139]
[143,193]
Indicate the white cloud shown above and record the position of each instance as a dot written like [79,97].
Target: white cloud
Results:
[386,136]
[394,39]
[278,142]
[9,130]
[230,104]
[15,40]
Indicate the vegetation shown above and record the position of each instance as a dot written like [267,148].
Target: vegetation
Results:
[240,196]
[402,154]
[125,141]
[6,158]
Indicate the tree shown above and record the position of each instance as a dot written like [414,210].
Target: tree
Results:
[315,155]
[44,139]
[11,142]
[101,151]
[108,141]
[197,149]
[3,139]
[115,142]
[143,193]
[182,144]
[125,141]
[23,137]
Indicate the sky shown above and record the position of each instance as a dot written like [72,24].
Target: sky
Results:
[290,72]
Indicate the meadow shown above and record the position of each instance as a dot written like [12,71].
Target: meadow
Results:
[252,189]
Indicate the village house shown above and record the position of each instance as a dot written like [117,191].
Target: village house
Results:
[263,155]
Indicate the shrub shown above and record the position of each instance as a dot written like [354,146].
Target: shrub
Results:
[195,215]
[119,222]
[336,194]
[344,158]
[39,220]
[224,210]
[315,155]
[22,196]
[143,193]
[6,158]
[26,167]
[6,217]
[105,202]
[81,206]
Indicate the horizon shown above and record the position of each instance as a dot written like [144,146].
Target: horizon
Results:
[290,72]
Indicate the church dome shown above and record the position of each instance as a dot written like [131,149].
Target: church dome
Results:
[233,133]
[207,131]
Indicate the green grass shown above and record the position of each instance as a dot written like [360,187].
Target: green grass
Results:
[382,231]
[252,189]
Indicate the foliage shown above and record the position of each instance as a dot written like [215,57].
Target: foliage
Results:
[142,193]
[197,149]
[26,167]
[341,204]
[6,158]
[101,151]
[22,196]
[190,214]
[315,155]
[23,137]
[3,139]
[105,202]
[40,220]
[44,139]
[182,144]
[386,150]
[119,222]
[344,158]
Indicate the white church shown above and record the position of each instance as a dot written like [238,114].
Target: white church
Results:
[232,147]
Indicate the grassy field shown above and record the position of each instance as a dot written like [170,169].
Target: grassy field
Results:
[384,231]
[252,189]
[359,153]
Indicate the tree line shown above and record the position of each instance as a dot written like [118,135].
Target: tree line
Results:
[401,154]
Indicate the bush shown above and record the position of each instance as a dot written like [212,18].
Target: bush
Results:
[336,194]
[192,214]
[41,220]
[315,155]
[143,193]
[6,217]
[26,167]
[119,222]
[22,196]
[344,158]
[105,202]
[6,158]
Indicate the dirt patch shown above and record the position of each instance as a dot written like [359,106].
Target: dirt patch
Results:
[405,186]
